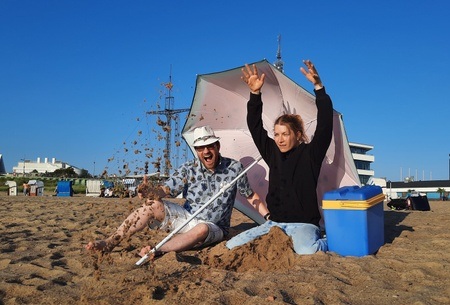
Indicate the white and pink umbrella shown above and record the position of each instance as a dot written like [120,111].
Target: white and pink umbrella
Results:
[220,101]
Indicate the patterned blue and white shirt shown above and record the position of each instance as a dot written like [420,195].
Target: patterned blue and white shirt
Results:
[198,185]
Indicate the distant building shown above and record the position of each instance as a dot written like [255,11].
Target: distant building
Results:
[433,189]
[28,166]
[429,188]
[2,166]
[362,160]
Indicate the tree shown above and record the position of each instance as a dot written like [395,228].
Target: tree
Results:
[65,173]
[84,174]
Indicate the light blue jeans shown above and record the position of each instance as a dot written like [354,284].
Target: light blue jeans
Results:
[305,236]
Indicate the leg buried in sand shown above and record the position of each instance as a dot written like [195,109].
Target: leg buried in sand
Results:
[165,216]
[151,212]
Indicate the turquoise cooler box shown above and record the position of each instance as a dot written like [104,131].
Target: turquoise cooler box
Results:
[354,220]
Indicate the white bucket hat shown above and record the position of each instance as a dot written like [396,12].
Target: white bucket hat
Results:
[204,136]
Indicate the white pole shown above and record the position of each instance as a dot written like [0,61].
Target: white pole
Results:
[221,191]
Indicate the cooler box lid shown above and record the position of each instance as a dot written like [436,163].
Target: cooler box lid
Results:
[353,197]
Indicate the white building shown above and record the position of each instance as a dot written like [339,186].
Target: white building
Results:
[27,166]
[362,160]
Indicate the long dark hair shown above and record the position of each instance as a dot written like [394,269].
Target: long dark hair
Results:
[295,123]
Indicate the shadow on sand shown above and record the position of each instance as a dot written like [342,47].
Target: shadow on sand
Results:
[392,224]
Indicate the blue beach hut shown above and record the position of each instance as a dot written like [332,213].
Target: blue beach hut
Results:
[64,189]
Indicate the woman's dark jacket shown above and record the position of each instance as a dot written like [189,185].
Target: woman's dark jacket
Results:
[293,175]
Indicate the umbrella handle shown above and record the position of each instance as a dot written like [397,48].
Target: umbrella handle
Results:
[221,191]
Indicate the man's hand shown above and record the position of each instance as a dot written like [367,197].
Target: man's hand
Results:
[146,250]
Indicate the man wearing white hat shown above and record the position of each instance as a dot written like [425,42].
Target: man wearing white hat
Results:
[197,182]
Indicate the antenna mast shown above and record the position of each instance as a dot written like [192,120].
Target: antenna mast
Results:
[171,114]
[279,63]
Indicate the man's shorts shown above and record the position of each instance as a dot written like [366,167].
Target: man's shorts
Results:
[176,216]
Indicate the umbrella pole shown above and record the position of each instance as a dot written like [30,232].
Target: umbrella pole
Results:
[221,191]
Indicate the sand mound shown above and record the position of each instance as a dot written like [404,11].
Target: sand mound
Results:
[268,253]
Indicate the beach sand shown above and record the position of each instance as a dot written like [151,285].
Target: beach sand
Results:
[42,261]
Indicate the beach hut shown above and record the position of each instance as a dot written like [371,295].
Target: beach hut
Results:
[12,190]
[131,185]
[93,188]
[36,188]
[64,189]
[108,188]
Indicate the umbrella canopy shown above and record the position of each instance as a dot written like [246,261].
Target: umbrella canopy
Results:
[220,101]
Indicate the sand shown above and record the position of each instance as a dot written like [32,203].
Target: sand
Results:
[42,261]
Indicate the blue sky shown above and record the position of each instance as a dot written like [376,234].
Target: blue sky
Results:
[76,77]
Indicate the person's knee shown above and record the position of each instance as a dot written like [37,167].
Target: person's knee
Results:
[202,231]
[318,245]
[152,210]
[158,210]
[306,249]
[306,239]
